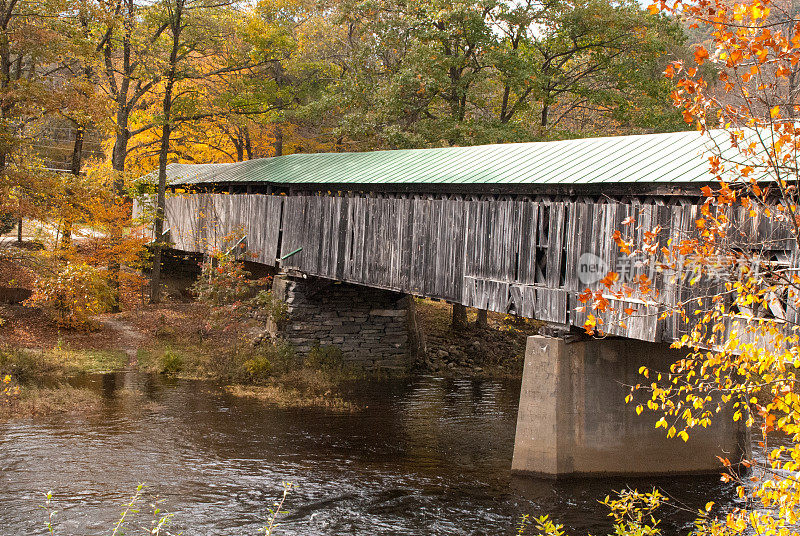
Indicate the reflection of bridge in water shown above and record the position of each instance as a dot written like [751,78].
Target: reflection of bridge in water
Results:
[517,228]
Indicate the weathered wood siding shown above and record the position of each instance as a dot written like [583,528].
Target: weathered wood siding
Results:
[512,255]
[207,223]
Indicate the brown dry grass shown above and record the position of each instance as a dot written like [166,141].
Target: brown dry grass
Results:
[46,401]
[296,389]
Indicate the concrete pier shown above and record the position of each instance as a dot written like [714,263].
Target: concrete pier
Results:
[573,419]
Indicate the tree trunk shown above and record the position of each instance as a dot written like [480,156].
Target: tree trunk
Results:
[75,169]
[118,157]
[166,132]
[416,336]
[278,145]
[239,144]
[459,321]
[248,144]
[121,140]
[176,24]
[482,320]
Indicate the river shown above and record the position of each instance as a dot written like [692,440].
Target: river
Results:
[423,456]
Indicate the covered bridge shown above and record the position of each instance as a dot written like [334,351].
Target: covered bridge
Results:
[514,228]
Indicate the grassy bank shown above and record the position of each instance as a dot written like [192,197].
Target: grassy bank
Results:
[36,380]
[182,340]
[36,401]
[195,341]
[298,389]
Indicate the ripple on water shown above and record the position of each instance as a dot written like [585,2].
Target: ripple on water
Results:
[425,456]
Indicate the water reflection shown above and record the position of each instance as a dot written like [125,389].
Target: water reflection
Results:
[424,456]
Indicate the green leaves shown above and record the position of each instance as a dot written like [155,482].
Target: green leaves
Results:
[485,71]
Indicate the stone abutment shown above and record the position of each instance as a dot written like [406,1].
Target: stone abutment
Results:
[370,326]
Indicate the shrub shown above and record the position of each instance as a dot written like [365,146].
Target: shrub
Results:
[265,360]
[74,292]
[224,281]
[171,362]
[24,366]
[258,367]
[9,390]
[267,304]
[325,358]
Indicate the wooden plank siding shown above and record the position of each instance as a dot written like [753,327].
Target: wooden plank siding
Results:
[505,254]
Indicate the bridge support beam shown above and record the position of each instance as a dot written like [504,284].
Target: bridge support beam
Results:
[370,326]
[573,419]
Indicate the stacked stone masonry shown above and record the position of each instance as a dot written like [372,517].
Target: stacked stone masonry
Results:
[368,325]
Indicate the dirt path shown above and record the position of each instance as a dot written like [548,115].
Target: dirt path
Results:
[128,338]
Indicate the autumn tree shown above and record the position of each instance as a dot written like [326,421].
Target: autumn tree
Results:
[201,51]
[740,261]
[25,53]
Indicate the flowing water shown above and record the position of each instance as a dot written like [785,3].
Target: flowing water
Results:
[423,456]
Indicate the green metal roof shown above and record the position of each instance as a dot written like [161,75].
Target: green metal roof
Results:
[679,157]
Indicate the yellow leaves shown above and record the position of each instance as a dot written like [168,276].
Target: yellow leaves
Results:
[739,12]
[590,324]
[757,11]
[775,112]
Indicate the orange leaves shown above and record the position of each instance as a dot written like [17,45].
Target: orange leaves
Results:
[735,58]
[623,245]
[644,284]
[750,74]
[700,55]
[585,296]
[653,9]
[609,280]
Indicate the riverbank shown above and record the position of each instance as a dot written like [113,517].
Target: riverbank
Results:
[496,349]
[188,340]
